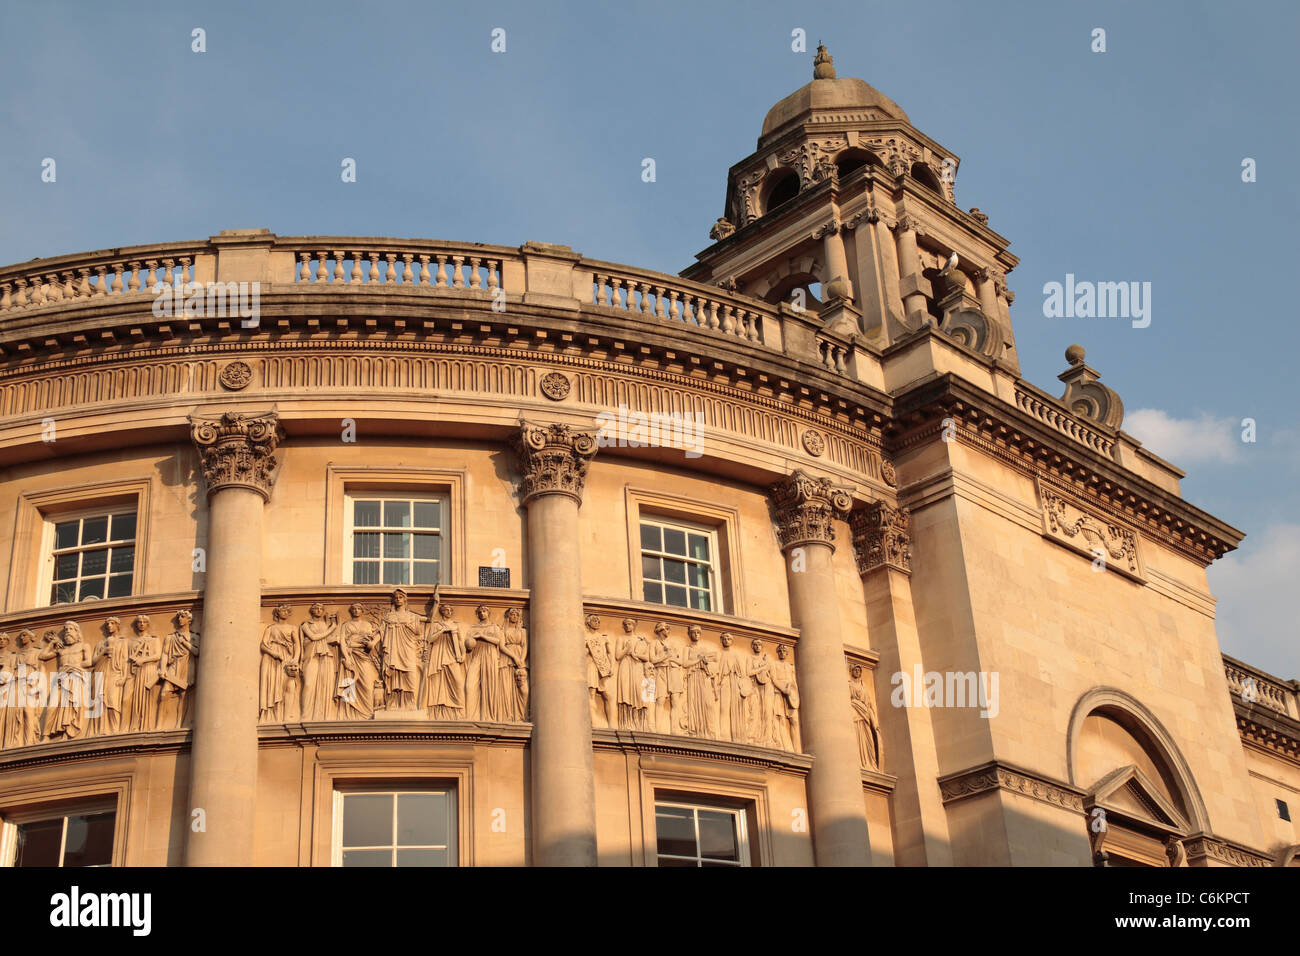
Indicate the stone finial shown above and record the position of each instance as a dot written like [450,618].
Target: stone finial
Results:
[553,459]
[805,508]
[823,64]
[238,451]
[721,229]
[881,538]
[1085,395]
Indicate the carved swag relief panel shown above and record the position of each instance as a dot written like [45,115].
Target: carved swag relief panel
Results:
[389,662]
[1111,545]
[719,688]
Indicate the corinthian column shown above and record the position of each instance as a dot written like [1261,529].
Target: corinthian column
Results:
[882,543]
[239,467]
[805,509]
[553,460]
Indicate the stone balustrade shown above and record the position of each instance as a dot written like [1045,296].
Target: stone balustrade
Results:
[97,275]
[1253,686]
[416,265]
[677,300]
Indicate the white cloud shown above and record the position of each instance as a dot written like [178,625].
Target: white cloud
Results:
[1258,614]
[1186,441]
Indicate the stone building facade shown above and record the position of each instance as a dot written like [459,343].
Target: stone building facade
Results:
[361,551]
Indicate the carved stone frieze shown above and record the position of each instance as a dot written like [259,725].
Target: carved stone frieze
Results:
[995,776]
[67,685]
[238,451]
[553,459]
[881,537]
[1110,545]
[392,663]
[713,688]
[805,508]
[1199,849]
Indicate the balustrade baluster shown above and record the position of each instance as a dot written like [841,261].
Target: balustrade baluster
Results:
[407,275]
[424,270]
[457,280]
[474,281]
[442,271]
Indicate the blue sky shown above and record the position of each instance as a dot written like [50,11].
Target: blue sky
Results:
[1123,165]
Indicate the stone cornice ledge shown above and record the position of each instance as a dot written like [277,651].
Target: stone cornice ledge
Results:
[702,747]
[999,775]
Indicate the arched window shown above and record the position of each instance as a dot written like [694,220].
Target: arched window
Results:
[854,159]
[781,186]
[924,175]
[1140,802]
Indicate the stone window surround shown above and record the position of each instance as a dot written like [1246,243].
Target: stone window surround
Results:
[342,481]
[723,788]
[35,511]
[360,766]
[729,591]
[37,800]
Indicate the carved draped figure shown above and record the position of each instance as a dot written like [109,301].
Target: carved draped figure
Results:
[785,704]
[864,720]
[701,664]
[71,695]
[600,668]
[633,654]
[27,674]
[444,693]
[736,688]
[176,675]
[402,640]
[319,670]
[358,670]
[663,665]
[761,723]
[111,666]
[279,651]
[9,698]
[514,672]
[146,653]
[484,696]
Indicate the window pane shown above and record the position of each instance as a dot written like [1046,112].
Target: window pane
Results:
[94,562]
[365,544]
[368,819]
[38,843]
[650,539]
[64,593]
[367,857]
[654,593]
[675,596]
[718,835]
[650,568]
[421,819]
[94,530]
[699,547]
[65,566]
[674,571]
[124,527]
[65,534]
[699,576]
[365,572]
[119,585]
[365,514]
[396,572]
[426,547]
[426,514]
[123,558]
[89,841]
[674,541]
[397,514]
[426,572]
[701,601]
[91,588]
[423,858]
[397,545]
[675,830]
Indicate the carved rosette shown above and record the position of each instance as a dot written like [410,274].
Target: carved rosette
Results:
[238,451]
[553,459]
[805,509]
[882,538]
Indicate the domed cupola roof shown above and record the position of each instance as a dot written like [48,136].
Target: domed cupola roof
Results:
[829,99]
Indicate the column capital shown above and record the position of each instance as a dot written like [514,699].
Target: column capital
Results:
[805,508]
[238,451]
[881,538]
[553,459]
